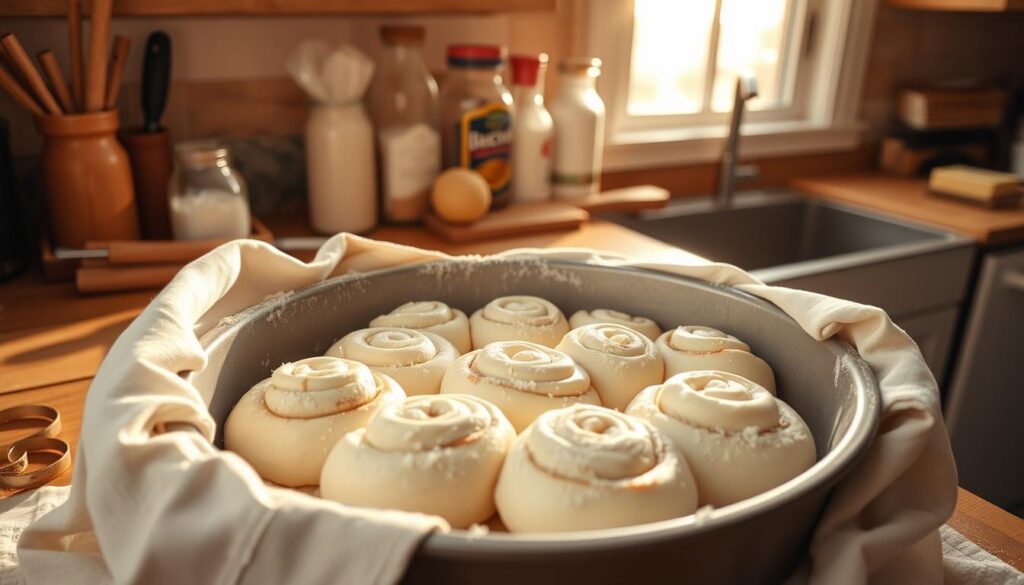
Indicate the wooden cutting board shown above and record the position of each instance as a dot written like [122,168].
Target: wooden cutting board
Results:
[548,216]
[625,199]
[510,221]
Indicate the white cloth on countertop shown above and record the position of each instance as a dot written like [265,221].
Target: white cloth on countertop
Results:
[963,563]
[171,507]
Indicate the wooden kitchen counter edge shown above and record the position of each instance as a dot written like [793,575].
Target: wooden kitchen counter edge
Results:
[908,197]
[999,532]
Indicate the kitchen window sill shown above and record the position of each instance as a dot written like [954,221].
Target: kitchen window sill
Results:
[702,144]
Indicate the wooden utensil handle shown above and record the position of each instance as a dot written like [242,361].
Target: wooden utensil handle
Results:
[118,57]
[14,89]
[75,53]
[99,33]
[124,278]
[53,73]
[30,73]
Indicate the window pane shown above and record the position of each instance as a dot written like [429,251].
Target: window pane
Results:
[752,41]
[671,39]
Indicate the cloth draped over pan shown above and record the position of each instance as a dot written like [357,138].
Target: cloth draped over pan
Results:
[168,507]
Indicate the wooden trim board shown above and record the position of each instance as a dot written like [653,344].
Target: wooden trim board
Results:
[276,7]
[960,5]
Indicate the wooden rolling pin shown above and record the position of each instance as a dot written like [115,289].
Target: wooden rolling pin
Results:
[129,252]
[141,251]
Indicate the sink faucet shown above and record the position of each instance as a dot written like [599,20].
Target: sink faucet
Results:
[746,88]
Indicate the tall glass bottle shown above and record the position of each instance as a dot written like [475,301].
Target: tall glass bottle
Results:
[403,104]
[578,113]
[532,130]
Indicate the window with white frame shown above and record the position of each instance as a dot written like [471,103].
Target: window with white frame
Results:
[671,68]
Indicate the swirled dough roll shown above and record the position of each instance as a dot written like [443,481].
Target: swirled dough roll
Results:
[285,425]
[523,379]
[432,317]
[641,324]
[431,454]
[739,440]
[587,467]
[518,318]
[620,360]
[694,347]
[415,359]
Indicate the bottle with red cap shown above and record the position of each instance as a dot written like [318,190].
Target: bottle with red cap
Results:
[532,130]
[476,117]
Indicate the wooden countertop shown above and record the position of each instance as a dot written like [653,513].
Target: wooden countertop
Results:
[909,198]
[52,341]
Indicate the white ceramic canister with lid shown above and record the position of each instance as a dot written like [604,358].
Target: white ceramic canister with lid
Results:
[340,169]
[340,155]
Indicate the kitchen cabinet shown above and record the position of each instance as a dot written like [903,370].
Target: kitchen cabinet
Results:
[934,333]
[985,404]
[923,295]
[277,7]
[960,5]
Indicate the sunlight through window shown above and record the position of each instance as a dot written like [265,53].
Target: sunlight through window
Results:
[685,60]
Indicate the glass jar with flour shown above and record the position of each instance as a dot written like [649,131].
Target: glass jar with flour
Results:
[403,104]
[208,197]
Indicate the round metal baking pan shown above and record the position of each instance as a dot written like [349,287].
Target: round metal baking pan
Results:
[759,540]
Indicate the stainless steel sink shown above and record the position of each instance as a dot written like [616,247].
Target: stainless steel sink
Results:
[782,235]
[913,271]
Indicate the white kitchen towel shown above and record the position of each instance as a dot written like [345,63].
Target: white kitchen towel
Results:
[169,507]
[963,562]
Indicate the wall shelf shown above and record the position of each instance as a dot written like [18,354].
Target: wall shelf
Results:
[960,5]
[12,8]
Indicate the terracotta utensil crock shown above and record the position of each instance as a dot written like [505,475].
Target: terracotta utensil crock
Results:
[87,178]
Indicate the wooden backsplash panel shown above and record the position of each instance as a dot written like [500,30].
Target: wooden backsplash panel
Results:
[700,179]
[259,107]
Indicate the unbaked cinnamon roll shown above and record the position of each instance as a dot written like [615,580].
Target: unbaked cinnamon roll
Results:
[415,359]
[518,318]
[696,347]
[431,454]
[432,317]
[285,425]
[641,324]
[738,438]
[522,379]
[620,360]
[587,467]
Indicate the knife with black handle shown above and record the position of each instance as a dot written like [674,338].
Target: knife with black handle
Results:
[156,79]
